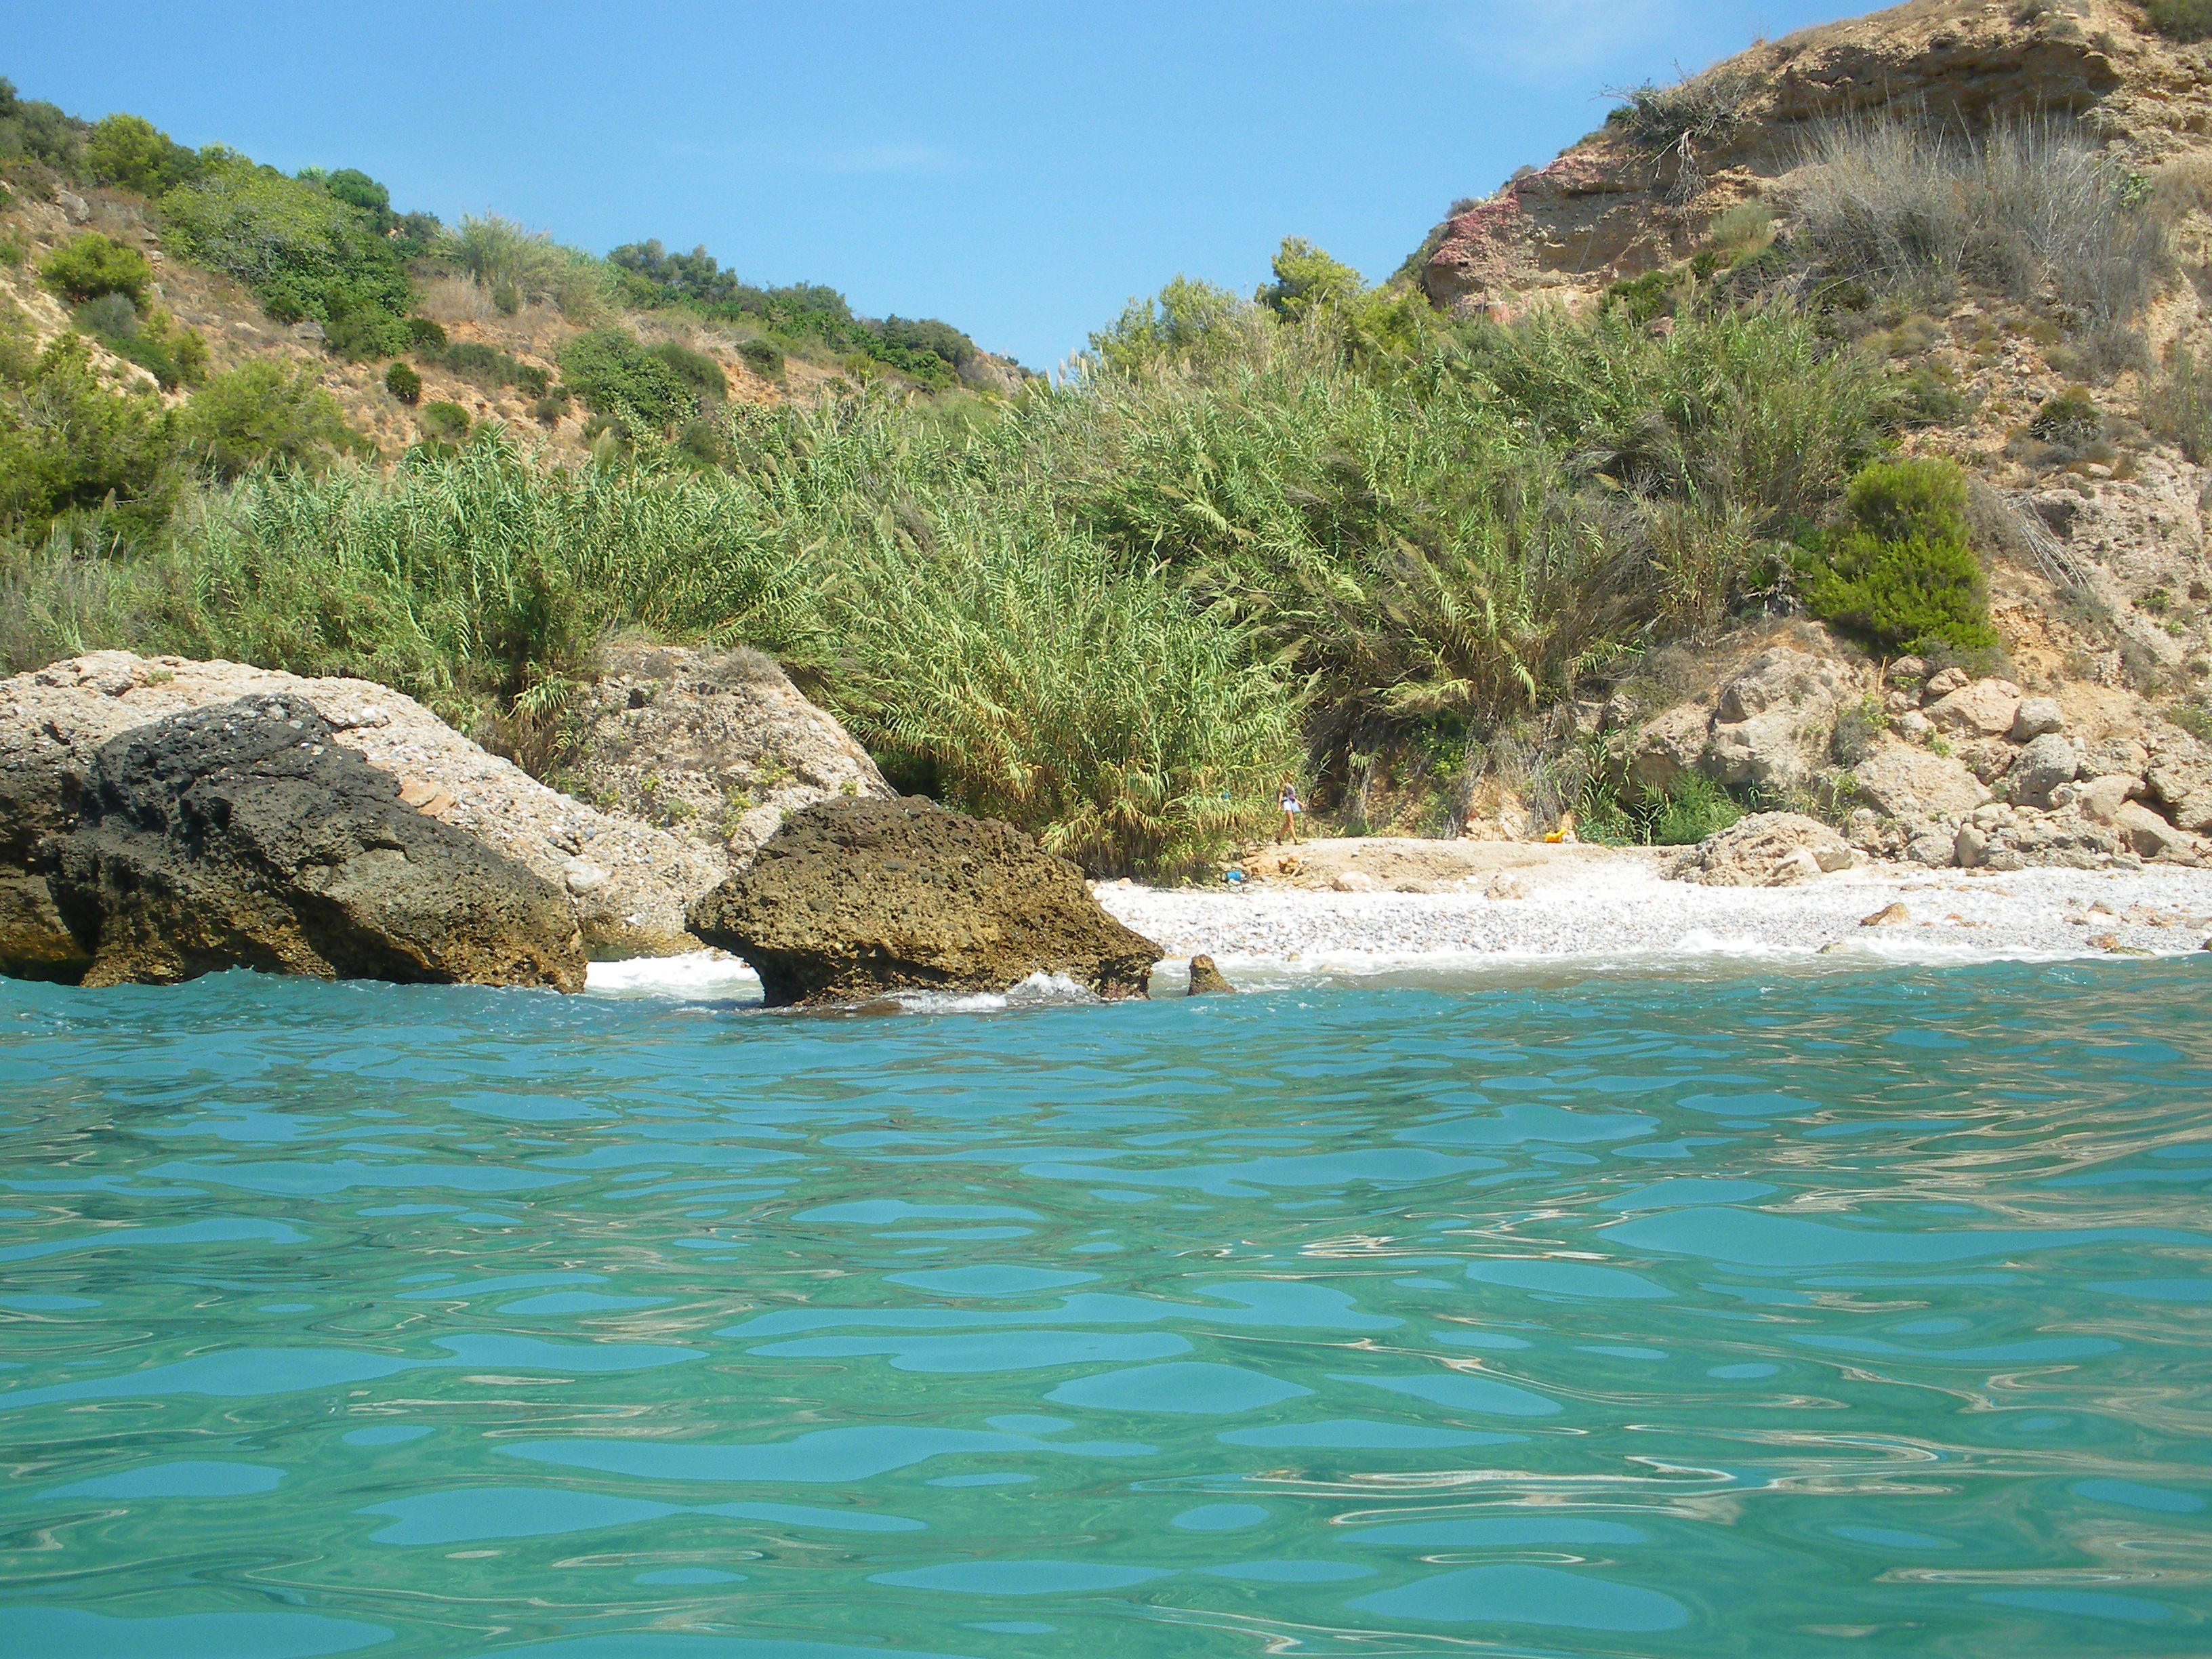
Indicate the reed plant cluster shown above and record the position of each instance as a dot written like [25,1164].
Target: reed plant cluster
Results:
[1114,612]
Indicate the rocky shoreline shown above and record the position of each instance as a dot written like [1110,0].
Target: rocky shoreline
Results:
[161,819]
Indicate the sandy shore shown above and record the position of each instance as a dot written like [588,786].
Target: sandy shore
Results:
[1585,904]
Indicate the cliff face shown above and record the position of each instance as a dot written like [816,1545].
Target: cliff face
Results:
[1625,201]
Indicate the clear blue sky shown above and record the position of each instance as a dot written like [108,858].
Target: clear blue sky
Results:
[1019,168]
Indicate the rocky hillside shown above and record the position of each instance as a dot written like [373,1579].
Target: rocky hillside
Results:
[1645,190]
[2063,375]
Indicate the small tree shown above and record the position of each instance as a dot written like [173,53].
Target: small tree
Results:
[1307,279]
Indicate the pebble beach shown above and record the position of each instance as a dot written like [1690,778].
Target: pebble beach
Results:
[1620,910]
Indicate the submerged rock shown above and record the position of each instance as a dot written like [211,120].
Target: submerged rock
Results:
[1207,980]
[853,898]
[244,835]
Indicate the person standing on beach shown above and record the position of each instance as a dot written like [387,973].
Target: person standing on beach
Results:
[1287,798]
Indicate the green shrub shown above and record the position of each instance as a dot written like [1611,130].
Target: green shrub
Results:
[1906,595]
[2182,19]
[1683,814]
[424,335]
[2178,405]
[90,265]
[12,253]
[130,151]
[549,409]
[485,365]
[263,414]
[358,335]
[1693,808]
[472,578]
[1903,577]
[358,191]
[445,420]
[404,383]
[1894,500]
[1308,279]
[70,444]
[1744,229]
[617,377]
[695,368]
[764,359]
[1044,686]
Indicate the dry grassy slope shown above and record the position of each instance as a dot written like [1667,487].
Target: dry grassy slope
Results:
[2130,532]
[237,330]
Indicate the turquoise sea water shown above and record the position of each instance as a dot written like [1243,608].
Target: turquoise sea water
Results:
[1775,1314]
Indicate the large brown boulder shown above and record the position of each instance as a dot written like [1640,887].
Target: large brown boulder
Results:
[244,835]
[853,898]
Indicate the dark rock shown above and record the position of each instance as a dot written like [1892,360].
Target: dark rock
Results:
[1207,980]
[241,835]
[976,906]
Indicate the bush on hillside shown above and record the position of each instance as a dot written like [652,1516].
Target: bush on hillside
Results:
[1897,499]
[1901,207]
[764,359]
[1188,321]
[404,383]
[470,578]
[1903,577]
[1308,279]
[425,337]
[33,130]
[924,349]
[695,368]
[446,420]
[2070,419]
[1692,113]
[91,265]
[357,191]
[2178,405]
[174,356]
[130,151]
[305,254]
[617,377]
[1044,685]
[70,444]
[2182,19]
[940,340]
[518,267]
[263,414]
